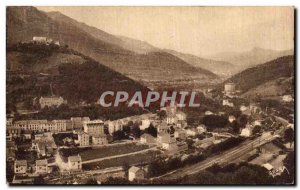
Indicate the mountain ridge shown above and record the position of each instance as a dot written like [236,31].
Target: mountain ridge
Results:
[25,22]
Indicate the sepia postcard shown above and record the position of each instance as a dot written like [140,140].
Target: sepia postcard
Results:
[149,95]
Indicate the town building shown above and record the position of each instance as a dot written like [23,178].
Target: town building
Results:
[44,146]
[100,139]
[41,125]
[20,167]
[83,139]
[136,173]
[40,39]
[94,127]
[247,131]
[61,125]
[50,101]
[13,132]
[171,118]
[229,89]
[77,122]
[74,163]
[41,166]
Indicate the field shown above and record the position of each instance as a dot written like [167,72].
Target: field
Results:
[90,153]
[141,158]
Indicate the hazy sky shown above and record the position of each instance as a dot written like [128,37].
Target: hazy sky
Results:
[196,30]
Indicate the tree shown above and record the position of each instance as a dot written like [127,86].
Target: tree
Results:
[214,121]
[242,120]
[118,135]
[136,131]
[289,135]
[162,114]
[256,129]
[151,130]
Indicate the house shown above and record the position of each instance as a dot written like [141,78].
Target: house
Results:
[226,102]
[147,139]
[145,124]
[257,122]
[180,134]
[229,89]
[201,129]
[100,139]
[287,98]
[231,118]
[51,101]
[13,132]
[245,110]
[74,163]
[41,166]
[40,39]
[208,113]
[94,127]
[20,166]
[247,131]
[191,132]
[136,173]
[83,139]
[57,43]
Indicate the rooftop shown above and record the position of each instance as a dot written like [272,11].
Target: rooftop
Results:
[134,169]
[41,162]
[21,162]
